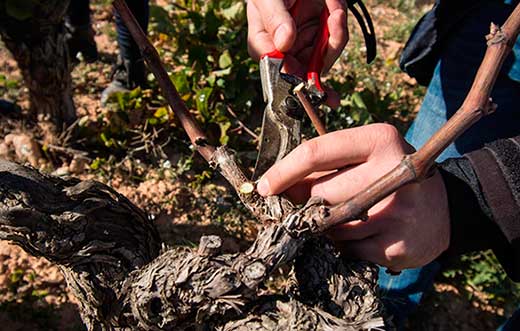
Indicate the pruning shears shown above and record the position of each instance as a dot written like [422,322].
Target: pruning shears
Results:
[283,92]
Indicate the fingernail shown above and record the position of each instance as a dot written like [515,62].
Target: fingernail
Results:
[280,37]
[263,187]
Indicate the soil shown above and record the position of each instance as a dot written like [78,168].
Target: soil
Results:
[33,294]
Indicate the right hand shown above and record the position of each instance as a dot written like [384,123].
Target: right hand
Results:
[408,229]
[271,26]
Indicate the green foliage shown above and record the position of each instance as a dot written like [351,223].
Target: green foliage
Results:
[9,87]
[24,300]
[482,271]
[203,45]
[22,283]
[6,83]
[206,42]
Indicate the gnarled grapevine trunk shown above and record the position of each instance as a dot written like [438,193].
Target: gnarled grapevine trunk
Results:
[34,33]
[109,252]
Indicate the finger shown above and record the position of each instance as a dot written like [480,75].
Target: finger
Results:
[278,22]
[365,249]
[343,184]
[355,230]
[328,152]
[293,66]
[338,37]
[333,5]
[307,34]
[300,192]
[259,41]
[346,183]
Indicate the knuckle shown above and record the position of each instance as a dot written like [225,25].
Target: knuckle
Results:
[272,22]
[389,132]
[308,152]
[387,137]
[395,253]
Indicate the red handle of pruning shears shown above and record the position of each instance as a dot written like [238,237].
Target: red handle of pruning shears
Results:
[318,53]
[319,49]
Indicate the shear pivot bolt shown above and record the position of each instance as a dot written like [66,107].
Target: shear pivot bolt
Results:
[291,103]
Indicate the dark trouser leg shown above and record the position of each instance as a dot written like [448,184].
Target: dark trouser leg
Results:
[128,49]
[452,79]
[81,34]
[79,13]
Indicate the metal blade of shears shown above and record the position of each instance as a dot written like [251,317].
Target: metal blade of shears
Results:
[282,116]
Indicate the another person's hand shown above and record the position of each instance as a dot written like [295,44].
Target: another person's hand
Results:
[408,229]
[271,26]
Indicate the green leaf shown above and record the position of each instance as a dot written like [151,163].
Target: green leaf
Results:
[358,101]
[160,116]
[224,127]
[135,93]
[211,80]
[97,163]
[39,293]
[234,12]
[83,121]
[20,9]
[16,276]
[202,101]
[161,112]
[180,80]
[221,82]
[225,60]
[108,141]
[103,137]
[222,73]
[11,84]
[120,97]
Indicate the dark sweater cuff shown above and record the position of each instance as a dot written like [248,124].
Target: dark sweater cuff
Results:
[484,209]
[471,226]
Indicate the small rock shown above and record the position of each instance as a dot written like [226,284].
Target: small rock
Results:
[78,165]
[61,171]
[4,150]
[25,147]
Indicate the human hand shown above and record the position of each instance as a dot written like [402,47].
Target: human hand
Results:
[408,229]
[271,26]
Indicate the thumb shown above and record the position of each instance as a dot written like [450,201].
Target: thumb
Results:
[278,22]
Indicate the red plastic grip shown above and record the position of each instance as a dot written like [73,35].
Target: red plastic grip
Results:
[274,54]
[319,50]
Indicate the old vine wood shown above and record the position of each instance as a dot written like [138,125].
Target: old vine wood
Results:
[37,41]
[109,252]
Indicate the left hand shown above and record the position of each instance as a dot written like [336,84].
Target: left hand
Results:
[271,26]
[408,229]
